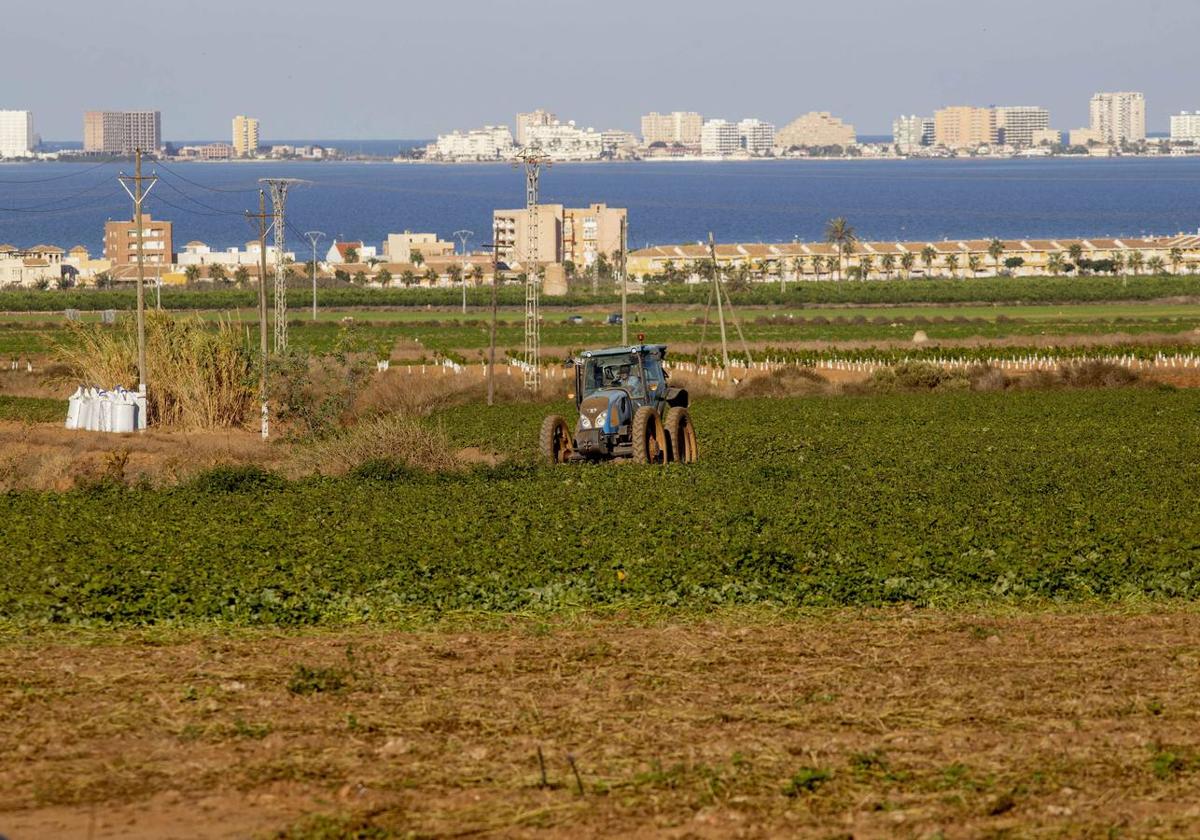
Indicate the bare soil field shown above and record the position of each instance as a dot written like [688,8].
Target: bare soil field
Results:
[900,723]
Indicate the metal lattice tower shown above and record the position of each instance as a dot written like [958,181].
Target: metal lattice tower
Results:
[533,159]
[279,188]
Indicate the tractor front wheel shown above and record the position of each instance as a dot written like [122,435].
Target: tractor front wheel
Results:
[681,436]
[555,439]
[649,439]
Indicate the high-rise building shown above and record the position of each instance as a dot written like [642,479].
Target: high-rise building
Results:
[964,127]
[16,134]
[579,235]
[492,142]
[565,141]
[682,127]
[911,133]
[245,136]
[719,138]
[530,119]
[121,242]
[1185,127]
[1119,117]
[1016,124]
[756,137]
[122,132]
[816,128]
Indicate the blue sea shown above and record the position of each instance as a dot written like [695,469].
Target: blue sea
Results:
[669,202]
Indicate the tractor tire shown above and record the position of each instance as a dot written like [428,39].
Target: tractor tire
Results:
[649,438]
[681,437]
[555,441]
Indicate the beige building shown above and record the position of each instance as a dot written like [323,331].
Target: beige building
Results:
[245,136]
[1119,117]
[1016,124]
[1047,137]
[964,127]
[816,128]
[528,120]
[122,132]
[682,127]
[121,242]
[1084,137]
[579,235]
[399,247]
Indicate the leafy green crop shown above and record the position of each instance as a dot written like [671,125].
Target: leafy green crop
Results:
[961,498]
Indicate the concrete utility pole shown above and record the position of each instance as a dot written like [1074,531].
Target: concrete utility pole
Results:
[718,290]
[533,159]
[624,287]
[139,192]
[491,371]
[279,189]
[463,236]
[314,236]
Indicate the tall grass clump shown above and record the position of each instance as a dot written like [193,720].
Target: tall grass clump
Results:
[200,375]
[410,442]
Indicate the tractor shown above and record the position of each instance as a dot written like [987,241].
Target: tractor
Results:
[626,409]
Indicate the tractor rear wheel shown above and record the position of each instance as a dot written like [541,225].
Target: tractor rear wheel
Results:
[555,441]
[649,439]
[681,436]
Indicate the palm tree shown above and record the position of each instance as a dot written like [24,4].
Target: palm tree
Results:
[798,267]
[840,234]
[975,263]
[216,273]
[1156,265]
[888,264]
[907,260]
[431,276]
[384,277]
[351,256]
[865,265]
[192,273]
[1176,257]
[1118,259]
[928,255]
[1075,251]
[1136,260]
[1055,263]
[951,261]
[818,266]
[408,278]
[995,250]
[477,274]
[241,276]
[417,258]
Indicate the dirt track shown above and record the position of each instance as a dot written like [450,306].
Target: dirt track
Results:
[876,725]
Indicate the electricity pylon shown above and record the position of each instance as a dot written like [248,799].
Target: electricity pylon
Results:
[533,158]
[279,189]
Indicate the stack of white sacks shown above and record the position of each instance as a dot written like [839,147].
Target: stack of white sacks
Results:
[97,410]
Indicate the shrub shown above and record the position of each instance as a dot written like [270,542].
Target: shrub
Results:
[399,439]
[236,478]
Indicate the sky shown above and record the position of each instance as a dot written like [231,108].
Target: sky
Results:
[389,69]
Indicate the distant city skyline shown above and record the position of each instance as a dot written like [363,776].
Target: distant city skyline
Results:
[400,71]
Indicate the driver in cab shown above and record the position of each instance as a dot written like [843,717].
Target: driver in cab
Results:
[627,378]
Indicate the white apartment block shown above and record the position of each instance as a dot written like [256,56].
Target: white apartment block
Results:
[531,119]
[1119,117]
[199,254]
[492,142]
[756,137]
[614,140]
[564,141]
[1185,127]
[1018,123]
[911,133]
[719,138]
[16,134]
[681,127]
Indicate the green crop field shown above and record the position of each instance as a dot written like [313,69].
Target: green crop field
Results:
[939,500]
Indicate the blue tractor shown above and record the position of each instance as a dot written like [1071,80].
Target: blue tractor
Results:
[626,409]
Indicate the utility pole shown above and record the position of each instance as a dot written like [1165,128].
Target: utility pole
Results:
[463,236]
[262,307]
[138,194]
[314,236]
[279,189]
[533,159]
[718,289]
[491,371]
[712,253]
[624,286]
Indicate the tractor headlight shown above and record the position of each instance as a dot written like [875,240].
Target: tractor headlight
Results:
[584,423]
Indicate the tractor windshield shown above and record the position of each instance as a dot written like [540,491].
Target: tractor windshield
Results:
[622,370]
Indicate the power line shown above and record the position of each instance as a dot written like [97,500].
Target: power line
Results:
[215,210]
[62,177]
[171,171]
